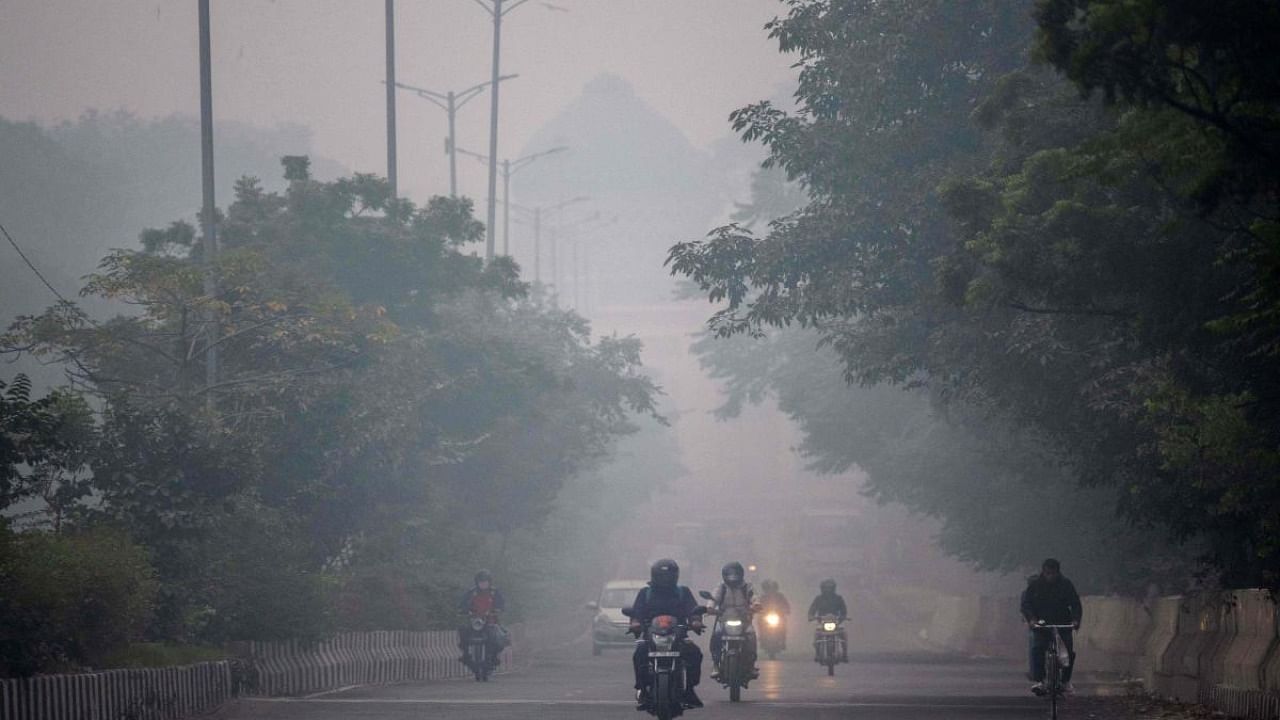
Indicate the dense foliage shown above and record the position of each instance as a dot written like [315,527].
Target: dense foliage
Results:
[385,409]
[1098,274]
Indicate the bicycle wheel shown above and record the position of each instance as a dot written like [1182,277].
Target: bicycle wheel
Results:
[1051,678]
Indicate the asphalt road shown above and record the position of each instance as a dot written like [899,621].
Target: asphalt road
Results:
[571,684]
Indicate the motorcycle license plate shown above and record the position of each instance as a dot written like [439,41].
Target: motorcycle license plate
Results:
[664,653]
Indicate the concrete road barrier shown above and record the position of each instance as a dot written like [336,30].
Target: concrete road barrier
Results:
[143,693]
[293,668]
[1113,638]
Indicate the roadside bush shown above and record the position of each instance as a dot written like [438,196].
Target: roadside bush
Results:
[68,601]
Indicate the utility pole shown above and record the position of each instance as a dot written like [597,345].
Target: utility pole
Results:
[391,96]
[537,212]
[496,11]
[509,168]
[209,221]
[451,102]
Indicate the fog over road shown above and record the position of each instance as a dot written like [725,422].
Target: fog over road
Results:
[571,684]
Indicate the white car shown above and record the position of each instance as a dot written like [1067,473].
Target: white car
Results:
[609,626]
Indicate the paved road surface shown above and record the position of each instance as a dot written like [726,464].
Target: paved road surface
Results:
[571,684]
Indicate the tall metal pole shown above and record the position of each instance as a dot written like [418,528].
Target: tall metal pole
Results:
[577,279]
[537,245]
[493,131]
[452,110]
[391,96]
[506,207]
[555,269]
[209,221]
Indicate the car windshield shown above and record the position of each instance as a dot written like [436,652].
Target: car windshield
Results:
[618,597]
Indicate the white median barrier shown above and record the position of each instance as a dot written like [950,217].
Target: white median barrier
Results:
[151,693]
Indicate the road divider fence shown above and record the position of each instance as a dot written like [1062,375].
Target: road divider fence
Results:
[260,669]
[134,694]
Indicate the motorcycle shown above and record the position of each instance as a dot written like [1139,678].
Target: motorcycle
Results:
[829,643]
[735,670]
[481,662]
[773,633]
[665,682]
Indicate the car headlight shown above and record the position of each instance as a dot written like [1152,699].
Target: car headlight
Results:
[829,627]
[772,619]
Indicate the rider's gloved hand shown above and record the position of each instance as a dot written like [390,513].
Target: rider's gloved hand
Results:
[634,628]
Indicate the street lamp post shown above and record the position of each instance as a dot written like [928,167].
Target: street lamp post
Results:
[209,218]
[496,10]
[451,102]
[391,95]
[537,212]
[509,168]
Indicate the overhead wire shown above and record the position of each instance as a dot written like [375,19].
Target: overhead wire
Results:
[17,248]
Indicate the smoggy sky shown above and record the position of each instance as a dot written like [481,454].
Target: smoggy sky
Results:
[319,63]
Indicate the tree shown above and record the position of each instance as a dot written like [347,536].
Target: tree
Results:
[385,404]
[1093,273]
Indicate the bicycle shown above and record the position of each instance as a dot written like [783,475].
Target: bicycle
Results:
[1053,665]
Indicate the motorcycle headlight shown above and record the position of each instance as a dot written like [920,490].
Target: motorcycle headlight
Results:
[664,642]
[772,619]
[477,623]
[829,626]
[733,623]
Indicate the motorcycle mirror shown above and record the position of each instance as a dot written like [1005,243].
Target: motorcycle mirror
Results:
[593,606]
[705,595]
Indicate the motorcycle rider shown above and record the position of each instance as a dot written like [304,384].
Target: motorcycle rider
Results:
[773,599]
[1052,599]
[829,603]
[666,596]
[734,593]
[480,601]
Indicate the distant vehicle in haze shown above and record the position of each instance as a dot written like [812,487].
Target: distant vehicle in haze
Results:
[609,624]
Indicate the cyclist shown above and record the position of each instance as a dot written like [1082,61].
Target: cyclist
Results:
[1051,599]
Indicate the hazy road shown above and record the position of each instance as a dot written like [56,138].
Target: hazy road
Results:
[573,685]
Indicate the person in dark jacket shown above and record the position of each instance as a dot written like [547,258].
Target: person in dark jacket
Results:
[1051,599]
[829,603]
[483,600]
[666,596]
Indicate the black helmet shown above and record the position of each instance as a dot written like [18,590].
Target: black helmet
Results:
[828,585]
[484,576]
[664,573]
[732,574]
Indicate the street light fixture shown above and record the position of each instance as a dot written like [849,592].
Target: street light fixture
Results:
[451,102]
